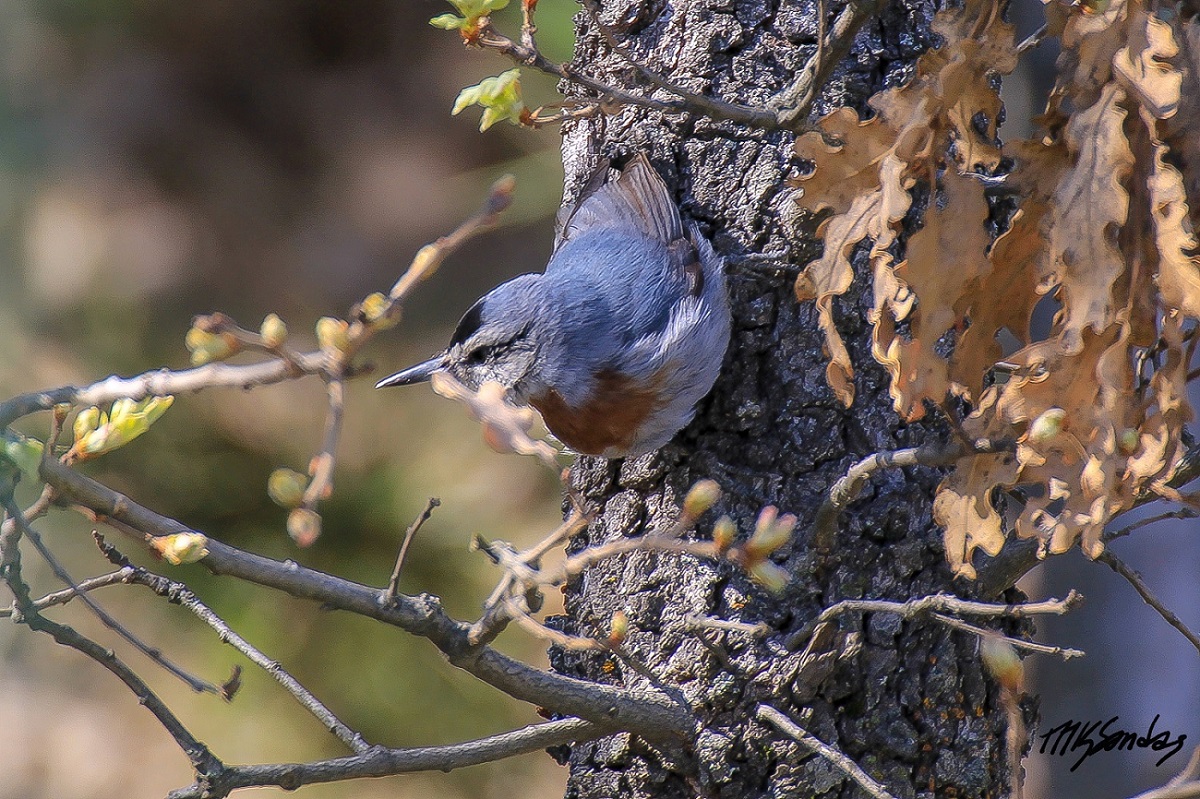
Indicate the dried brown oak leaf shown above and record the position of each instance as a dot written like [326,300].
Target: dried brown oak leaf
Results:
[1089,205]
[945,259]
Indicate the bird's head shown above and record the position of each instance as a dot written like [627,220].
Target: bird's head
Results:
[496,340]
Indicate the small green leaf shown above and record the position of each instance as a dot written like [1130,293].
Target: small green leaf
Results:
[448,22]
[125,421]
[180,548]
[25,454]
[470,12]
[500,98]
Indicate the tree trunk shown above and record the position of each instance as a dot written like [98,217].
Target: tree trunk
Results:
[908,701]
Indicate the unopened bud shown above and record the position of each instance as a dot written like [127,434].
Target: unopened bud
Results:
[724,532]
[180,548]
[770,576]
[618,628]
[304,526]
[1002,662]
[273,331]
[332,334]
[1048,425]
[702,496]
[286,488]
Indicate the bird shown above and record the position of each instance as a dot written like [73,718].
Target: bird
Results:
[620,337]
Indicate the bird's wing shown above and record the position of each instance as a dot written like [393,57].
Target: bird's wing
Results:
[637,201]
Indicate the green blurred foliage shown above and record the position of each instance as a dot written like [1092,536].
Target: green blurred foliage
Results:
[161,159]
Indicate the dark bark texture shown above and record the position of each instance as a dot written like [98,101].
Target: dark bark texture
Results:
[908,701]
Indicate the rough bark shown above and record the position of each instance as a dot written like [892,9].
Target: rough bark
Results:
[907,701]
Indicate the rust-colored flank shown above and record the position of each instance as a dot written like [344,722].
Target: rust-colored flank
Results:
[609,422]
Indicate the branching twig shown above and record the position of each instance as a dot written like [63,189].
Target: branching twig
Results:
[203,761]
[1058,651]
[643,712]
[321,485]
[1139,585]
[67,594]
[792,105]
[838,758]
[155,654]
[381,762]
[850,485]
[177,592]
[394,581]
[938,604]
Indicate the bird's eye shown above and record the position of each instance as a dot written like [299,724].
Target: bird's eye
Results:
[475,356]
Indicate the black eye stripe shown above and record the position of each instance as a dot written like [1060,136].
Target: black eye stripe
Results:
[471,321]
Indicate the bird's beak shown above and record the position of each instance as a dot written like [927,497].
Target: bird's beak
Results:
[414,374]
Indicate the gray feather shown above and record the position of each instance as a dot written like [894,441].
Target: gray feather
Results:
[637,200]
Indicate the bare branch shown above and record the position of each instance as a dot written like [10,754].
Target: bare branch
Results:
[381,762]
[180,594]
[758,630]
[937,604]
[648,713]
[155,654]
[67,594]
[1139,585]
[1029,646]
[806,739]
[204,762]
[321,485]
[792,105]
[851,484]
[394,582]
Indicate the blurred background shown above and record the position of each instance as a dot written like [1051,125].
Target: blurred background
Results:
[159,160]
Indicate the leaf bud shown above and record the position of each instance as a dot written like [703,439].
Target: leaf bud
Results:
[770,576]
[1048,425]
[180,548]
[1002,662]
[618,628]
[273,331]
[286,488]
[702,496]
[724,532]
[304,526]
[332,334]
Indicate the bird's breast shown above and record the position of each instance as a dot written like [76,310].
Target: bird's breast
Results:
[608,422]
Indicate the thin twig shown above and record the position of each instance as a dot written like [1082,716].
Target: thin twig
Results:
[1030,646]
[382,762]
[1179,513]
[810,742]
[203,760]
[792,105]
[758,630]
[67,594]
[1184,785]
[321,484]
[1033,40]
[195,683]
[939,603]
[491,39]
[394,581]
[1139,585]
[851,484]
[643,712]
[181,594]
